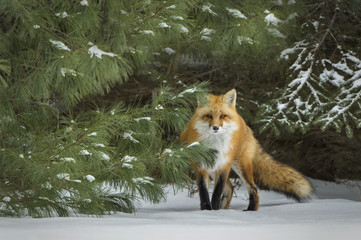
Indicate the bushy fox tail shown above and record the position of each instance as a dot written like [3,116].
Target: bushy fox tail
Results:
[272,175]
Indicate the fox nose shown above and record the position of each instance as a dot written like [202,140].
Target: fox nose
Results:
[215,128]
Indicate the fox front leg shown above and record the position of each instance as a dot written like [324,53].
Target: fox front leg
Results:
[218,191]
[202,182]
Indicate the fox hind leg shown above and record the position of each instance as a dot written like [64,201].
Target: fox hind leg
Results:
[246,173]
[227,194]
[253,198]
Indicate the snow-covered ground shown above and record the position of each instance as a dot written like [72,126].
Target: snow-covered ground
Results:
[334,213]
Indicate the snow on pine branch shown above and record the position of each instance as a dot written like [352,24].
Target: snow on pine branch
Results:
[307,99]
[95,51]
[303,96]
[346,107]
[323,80]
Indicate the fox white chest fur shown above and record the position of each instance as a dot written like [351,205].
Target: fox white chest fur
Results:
[219,140]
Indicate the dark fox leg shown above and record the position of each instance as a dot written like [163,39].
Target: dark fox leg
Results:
[252,191]
[202,182]
[218,191]
[253,198]
[246,173]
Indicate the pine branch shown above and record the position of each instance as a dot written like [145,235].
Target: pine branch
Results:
[307,99]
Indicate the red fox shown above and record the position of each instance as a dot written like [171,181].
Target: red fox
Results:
[218,125]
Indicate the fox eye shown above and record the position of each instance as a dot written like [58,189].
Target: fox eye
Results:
[209,116]
[223,116]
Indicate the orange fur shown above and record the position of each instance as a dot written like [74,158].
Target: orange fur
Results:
[219,126]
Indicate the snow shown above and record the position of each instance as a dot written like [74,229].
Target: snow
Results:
[280,106]
[236,13]
[207,31]
[64,71]
[169,50]
[193,144]
[67,159]
[159,107]
[90,178]
[171,7]
[349,56]
[128,135]
[356,83]
[6,199]
[62,15]
[342,66]
[168,152]
[335,109]
[289,51]
[207,8]
[85,153]
[98,145]
[301,78]
[65,176]
[272,19]
[242,39]
[94,50]
[143,180]
[190,90]
[47,185]
[334,213]
[147,32]
[316,24]
[177,18]
[183,28]
[163,25]
[105,156]
[333,77]
[84,3]
[59,45]
[128,158]
[142,118]
[298,102]
[127,165]
[208,39]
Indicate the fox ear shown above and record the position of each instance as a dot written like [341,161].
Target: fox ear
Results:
[230,98]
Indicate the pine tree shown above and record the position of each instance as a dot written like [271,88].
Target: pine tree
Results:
[323,86]
[59,160]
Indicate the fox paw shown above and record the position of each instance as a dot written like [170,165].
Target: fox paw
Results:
[206,206]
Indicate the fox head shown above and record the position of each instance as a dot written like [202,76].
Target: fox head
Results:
[217,115]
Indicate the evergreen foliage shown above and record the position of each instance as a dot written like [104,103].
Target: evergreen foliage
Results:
[59,160]
[98,161]
[323,86]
